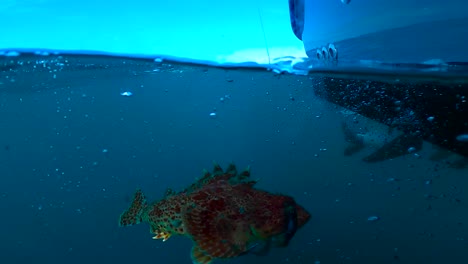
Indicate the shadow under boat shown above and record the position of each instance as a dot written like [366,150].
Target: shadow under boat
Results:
[422,109]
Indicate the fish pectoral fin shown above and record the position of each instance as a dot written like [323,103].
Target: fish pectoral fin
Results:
[260,248]
[162,235]
[281,240]
[199,256]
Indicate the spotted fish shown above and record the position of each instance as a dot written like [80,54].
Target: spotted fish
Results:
[223,214]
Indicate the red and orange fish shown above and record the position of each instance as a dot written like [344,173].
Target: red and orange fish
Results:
[223,214]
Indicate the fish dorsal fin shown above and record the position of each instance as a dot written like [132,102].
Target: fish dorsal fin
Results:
[219,176]
[199,256]
[231,169]
[169,192]
[215,177]
[217,169]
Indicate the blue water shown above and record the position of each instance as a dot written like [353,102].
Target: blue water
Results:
[74,149]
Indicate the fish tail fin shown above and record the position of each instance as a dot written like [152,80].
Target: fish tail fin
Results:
[132,215]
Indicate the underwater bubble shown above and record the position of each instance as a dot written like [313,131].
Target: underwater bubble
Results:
[12,54]
[127,93]
[212,114]
[42,53]
[277,71]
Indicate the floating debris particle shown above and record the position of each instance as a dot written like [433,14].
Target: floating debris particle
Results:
[212,114]
[373,218]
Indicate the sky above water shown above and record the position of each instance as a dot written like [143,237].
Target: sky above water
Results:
[221,31]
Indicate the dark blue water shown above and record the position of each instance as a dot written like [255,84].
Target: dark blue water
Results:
[73,150]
